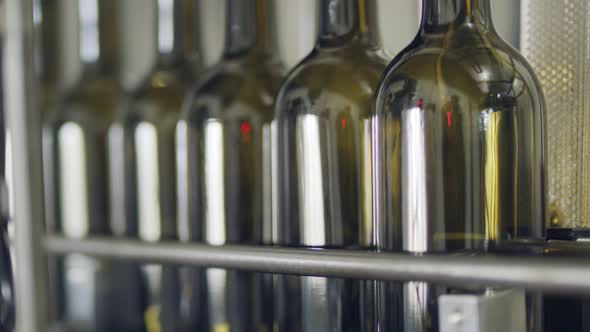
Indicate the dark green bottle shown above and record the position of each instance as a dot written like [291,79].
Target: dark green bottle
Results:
[223,153]
[323,166]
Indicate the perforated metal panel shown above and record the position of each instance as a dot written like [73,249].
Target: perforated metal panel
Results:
[555,39]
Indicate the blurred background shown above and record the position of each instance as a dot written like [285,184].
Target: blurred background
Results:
[399,20]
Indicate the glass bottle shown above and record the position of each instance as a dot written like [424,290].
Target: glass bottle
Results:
[461,138]
[323,165]
[223,165]
[97,295]
[47,50]
[460,125]
[142,145]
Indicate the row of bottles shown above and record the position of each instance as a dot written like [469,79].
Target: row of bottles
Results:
[442,150]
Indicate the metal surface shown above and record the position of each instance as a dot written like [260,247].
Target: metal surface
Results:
[555,40]
[23,124]
[563,275]
[489,312]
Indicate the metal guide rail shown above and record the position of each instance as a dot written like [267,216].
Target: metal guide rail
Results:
[550,274]
[553,274]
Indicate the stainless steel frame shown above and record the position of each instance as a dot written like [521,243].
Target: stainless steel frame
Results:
[24,127]
[540,273]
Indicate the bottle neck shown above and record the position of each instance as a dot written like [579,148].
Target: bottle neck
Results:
[248,27]
[46,39]
[98,40]
[440,15]
[344,20]
[171,27]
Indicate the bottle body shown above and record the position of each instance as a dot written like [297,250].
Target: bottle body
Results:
[461,130]
[97,294]
[323,179]
[223,154]
[142,160]
[143,174]
[75,143]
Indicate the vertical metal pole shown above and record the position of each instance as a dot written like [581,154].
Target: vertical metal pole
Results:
[24,126]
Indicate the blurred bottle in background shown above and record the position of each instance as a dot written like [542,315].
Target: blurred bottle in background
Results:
[223,161]
[47,51]
[322,165]
[46,54]
[141,150]
[97,295]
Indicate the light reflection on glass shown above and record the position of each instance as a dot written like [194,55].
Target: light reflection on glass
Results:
[9,173]
[416,314]
[74,194]
[89,35]
[116,164]
[311,189]
[267,228]
[491,121]
[214,183]
[216,282]
[274,156]
[165,26]
[181,183]
[37,13]
[315,303]
[367,228]
[148,186]
[414,176]
[80,277]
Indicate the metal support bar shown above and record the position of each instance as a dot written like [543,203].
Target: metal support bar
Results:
[563,275]
[24,128]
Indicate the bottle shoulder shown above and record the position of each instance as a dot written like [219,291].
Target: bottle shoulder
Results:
[164,81]
[482,68]
[236,82]
[92,102]
[160,94]
[94,90]
[342,76]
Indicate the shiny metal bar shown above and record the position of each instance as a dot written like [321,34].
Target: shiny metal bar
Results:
[562,275]
[24,128]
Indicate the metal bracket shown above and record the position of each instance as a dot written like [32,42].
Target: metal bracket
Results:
[489,312]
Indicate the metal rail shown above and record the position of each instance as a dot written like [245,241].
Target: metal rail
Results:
[24,127]
[563,275]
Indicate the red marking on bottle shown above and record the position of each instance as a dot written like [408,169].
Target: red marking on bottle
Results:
[420,103]
[343,122]
[246,127]
[449,119]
